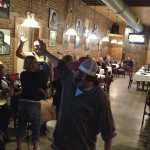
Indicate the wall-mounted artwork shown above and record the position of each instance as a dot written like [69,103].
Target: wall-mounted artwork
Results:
[79,27]
[66,39]
[4,42]
[77,42]
[87,44]
[4,8]
[96,30]
[52,38]
[53,19]
[86,27]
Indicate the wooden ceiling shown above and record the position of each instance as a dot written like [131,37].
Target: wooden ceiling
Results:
[140,8]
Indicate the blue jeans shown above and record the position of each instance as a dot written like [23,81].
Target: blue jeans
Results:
[29,111]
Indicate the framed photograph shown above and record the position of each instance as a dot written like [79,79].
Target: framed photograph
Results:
[65,39]
[52,38]
[77,42]
[4,8]
[53,19]
[96,30]
[100,46]
[4,42]
[86,27]
[79,27]
[87,44]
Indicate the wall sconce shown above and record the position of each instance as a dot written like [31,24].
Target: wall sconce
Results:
[30,22]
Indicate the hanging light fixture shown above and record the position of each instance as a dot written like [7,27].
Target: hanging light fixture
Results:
[120,43]
[71,31]
[92,36]
[30,22]
[114,41]
[106,38]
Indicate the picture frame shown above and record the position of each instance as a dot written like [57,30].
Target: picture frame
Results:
[4,9]
[79,27]
[65,39]
[87,44]
[86,31]
[77,42]
[53,19]
[96,30]
[4,42]
[52,38]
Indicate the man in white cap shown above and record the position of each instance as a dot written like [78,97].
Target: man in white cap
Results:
[85,109]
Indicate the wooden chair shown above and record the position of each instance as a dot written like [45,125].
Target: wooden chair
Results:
[130,79]
[146,108]
[114,70]
[121,71]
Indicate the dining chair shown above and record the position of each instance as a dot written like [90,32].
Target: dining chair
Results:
[146,108]
[130,79]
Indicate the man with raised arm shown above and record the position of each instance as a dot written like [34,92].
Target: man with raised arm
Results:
[45,67]
[85,108]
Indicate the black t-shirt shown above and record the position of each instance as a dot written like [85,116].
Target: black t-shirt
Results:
[31,82]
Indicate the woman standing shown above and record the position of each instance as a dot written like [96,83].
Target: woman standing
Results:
[33,90]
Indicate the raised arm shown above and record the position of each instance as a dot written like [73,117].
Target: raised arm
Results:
[19,52]
[50,56]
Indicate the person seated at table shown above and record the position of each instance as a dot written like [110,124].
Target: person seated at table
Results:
[108,62]
[5,94]
[101,64]
[33,90]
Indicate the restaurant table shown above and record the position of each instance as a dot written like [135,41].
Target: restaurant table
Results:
[141,76]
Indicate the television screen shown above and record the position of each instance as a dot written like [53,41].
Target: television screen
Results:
[135,38]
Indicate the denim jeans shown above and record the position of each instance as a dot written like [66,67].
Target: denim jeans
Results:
[29,111]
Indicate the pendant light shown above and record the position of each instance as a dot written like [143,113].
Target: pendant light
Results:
[30,22]
[92,36]
[106,38]
[114,41]
[71,30]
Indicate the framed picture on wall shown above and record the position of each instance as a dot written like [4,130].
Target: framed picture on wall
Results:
[86,31]
[53,19]
[65,39]
[4,8]
[77,42]
[52,38]
[87,44]
[79,27]
[4,41]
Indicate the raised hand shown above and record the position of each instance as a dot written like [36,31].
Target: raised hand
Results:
[22,38]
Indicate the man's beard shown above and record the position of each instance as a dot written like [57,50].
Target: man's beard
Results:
[77,80]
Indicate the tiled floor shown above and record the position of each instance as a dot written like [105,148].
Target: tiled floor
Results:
[127,107]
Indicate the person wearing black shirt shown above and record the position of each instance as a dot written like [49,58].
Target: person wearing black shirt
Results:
[33,90]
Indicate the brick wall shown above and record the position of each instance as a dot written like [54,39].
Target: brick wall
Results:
[40,8]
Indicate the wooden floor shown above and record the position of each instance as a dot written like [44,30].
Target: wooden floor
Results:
[127,107]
